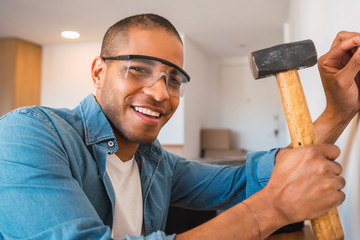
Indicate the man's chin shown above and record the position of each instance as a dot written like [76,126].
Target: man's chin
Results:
[138,137]
[143,139]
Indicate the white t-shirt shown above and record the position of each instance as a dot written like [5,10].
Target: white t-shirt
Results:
[125,179]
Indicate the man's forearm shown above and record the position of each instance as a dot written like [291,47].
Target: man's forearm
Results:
[256,219]
[328,127]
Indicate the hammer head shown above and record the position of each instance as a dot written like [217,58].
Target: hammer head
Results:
[281,58]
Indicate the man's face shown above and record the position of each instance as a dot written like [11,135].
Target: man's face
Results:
[137,112]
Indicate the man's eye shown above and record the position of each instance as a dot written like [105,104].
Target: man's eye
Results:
[174,82]
[139,70]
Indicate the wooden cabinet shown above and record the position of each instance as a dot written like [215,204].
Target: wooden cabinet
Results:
[20,68]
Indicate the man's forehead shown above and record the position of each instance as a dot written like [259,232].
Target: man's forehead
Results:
[151,42]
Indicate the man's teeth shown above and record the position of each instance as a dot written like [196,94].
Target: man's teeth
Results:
[147,111]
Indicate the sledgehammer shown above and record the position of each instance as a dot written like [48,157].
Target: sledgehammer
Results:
[283,61]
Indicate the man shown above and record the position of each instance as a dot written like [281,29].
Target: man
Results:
[98,171]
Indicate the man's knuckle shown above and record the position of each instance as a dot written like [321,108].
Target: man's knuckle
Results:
[322,169]
[328,185]
[312,152]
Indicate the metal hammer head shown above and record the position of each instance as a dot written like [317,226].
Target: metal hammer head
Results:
[281,58]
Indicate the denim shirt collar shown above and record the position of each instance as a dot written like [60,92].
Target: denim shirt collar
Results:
[96,126]
[152,151]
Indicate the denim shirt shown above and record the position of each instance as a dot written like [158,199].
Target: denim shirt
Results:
[53,183]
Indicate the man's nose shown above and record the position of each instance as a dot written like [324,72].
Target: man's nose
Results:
[158,91]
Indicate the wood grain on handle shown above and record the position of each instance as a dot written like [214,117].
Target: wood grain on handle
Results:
[327,227]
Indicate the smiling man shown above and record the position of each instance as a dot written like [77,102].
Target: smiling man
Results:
[99,172]
[129,89]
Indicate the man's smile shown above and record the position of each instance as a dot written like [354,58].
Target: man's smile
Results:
[147,112]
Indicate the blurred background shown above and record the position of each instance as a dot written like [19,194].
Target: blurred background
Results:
[40,67]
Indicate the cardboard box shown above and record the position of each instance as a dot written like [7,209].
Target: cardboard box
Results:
[215,139]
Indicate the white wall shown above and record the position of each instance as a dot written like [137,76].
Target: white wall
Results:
[223,94]
[320,20]
[200,97]
[66,73]
[173,131]
[251,108]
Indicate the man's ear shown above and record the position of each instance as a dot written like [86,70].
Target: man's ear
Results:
[98,70]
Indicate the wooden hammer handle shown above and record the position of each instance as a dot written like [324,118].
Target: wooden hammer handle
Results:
[327,227]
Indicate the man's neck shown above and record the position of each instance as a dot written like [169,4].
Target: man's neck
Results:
[126,149]
[124,157]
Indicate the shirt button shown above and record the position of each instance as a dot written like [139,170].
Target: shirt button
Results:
[110,143]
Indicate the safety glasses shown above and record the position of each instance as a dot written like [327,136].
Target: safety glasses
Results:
[147,71]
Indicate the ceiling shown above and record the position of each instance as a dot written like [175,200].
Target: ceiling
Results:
[221,28]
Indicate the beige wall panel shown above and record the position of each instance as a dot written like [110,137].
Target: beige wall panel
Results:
[7,65]
[27,74]
[20,67]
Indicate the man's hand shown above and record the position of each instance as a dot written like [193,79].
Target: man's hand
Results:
[340,76]
[339,71]
[306,182]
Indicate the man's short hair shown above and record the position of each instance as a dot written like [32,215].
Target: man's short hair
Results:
[119,30]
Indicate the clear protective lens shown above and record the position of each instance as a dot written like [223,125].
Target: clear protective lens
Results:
[147,72]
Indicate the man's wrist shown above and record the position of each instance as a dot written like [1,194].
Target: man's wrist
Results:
[336,116]
[330,124]
[266,211]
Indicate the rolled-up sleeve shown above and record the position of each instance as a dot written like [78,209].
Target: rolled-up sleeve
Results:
[205,186]
[259,166]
